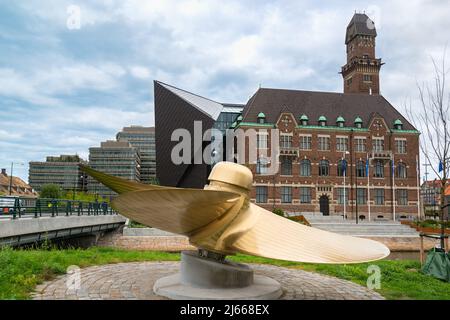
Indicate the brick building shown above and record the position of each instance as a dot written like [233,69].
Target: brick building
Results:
[319,132]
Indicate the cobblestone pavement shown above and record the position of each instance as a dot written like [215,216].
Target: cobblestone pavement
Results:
[134,281]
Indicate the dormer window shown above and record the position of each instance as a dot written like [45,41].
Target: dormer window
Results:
[340,121]
[398,124]
[358,122]
[322,121]
[261,117]
[304,120]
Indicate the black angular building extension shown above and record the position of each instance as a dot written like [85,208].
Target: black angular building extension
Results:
[174,109]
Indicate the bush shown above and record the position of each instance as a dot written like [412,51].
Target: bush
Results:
[83,196]
[279,212]
[50,191]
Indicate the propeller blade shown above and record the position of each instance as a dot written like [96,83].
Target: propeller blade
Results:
[272,236]
[117,184]
[175,210]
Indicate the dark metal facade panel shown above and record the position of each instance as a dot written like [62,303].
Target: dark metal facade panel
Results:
[171,113]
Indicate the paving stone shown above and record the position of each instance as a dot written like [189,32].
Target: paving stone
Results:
[135,280]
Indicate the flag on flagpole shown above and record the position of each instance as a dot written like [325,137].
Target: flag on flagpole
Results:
[367,165]
[441,166]
[393,167]
[344,166]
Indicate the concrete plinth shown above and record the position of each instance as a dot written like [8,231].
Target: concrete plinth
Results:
[204,278]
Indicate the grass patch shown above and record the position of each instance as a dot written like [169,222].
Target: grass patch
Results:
[22,270]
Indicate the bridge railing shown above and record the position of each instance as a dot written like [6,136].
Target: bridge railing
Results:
[18,207]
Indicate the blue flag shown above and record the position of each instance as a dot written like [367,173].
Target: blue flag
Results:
[367,166]
[393,167]
[441,166]
[344,166]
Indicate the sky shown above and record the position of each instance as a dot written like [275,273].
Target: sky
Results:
[73,73]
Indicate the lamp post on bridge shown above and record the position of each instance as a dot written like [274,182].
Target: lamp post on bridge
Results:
[11,175]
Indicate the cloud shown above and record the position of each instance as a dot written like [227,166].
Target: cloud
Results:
[140,72]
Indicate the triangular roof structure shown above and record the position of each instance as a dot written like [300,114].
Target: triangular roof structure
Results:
[207,106]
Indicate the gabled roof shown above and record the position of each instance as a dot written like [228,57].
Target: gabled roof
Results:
[315,104]
[205,105]
[360,24]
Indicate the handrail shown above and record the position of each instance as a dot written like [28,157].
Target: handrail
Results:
[18,207]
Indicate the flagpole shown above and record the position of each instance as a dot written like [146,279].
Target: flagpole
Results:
[418,187]
[368,185]
[393,185]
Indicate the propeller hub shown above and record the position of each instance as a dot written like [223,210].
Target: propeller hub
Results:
[232,173]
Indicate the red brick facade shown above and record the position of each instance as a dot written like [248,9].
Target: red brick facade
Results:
[328,185]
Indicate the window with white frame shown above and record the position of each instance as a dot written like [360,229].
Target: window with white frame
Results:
[261,142]
[305,142]
[360,144]
[400,146]
[305,195]
[342,193]
[378,169]
[285,141]
[261,194]
[286,166]
[401,170]
[286,194]
[305,168]
[378,144]
[324,143]
[402,197]
[361,196]
[379,197]
[341,143]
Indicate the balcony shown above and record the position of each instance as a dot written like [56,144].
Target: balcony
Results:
[288,151]
[382,155]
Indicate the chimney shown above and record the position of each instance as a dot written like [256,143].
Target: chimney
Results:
[4,172]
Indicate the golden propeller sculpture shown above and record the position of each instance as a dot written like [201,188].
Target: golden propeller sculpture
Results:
[221,219]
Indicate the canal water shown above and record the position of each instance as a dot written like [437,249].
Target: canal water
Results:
[404,255]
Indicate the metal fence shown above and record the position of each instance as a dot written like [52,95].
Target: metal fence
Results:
[18,207]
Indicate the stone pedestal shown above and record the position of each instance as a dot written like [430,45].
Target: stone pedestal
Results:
[206,278]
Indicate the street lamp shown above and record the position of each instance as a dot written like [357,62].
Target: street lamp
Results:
[344,172]
[11,175]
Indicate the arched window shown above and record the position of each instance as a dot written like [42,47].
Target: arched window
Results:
[305,168]
[360,169]
[324,168]
[401,170]
[340,168]
[379,169]
[286,166]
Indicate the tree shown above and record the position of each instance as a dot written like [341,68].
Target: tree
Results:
[432,119]
[279,212]
[50,191]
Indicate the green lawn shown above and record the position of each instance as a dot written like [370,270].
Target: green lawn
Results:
[22,270]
